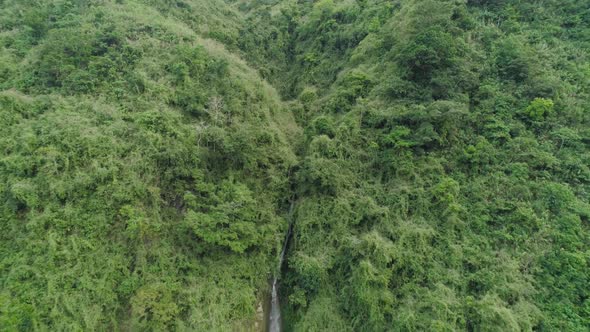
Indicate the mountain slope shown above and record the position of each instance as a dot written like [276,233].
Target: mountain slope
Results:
[437,154]
[444,181]
[143,170]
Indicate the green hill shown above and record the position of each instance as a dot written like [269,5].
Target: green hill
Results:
[437,154]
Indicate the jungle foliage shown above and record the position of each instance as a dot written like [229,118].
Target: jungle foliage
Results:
[437,153]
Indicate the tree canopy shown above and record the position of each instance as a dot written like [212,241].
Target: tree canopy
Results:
[436,153]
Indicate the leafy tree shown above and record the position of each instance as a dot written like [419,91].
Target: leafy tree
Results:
[540,109]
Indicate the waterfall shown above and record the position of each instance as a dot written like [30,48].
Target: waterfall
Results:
[275,310]
[274,324]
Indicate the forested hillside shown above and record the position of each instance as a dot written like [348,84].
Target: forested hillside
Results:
[436,154]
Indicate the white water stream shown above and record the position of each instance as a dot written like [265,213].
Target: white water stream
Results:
[274,324]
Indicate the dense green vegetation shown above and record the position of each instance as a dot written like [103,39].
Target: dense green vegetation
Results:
[437,153]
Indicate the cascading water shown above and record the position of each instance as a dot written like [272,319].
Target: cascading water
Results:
[274,324]
[275,310]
